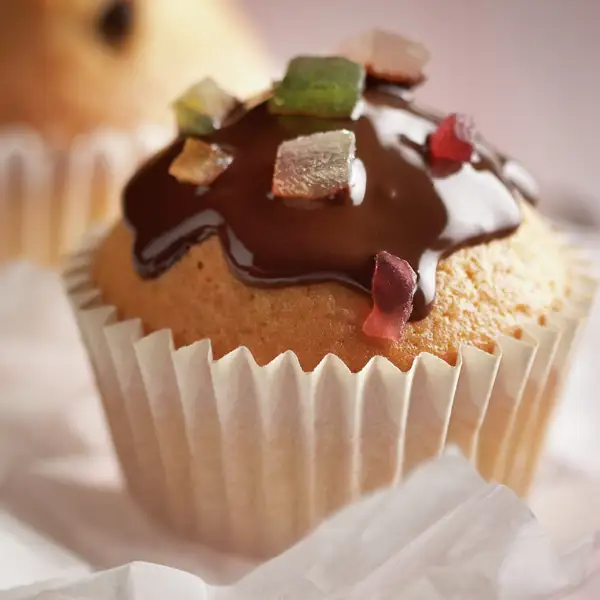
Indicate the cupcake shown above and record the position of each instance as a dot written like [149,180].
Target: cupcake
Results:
[312,292]
[106,70]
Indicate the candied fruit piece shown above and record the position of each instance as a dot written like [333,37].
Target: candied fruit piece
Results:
[319,86]
[388,56]
[454,139]
[199,163]
[203,108]
[393,290]
[315,166]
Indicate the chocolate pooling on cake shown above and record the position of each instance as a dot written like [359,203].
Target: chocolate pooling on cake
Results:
[389,193]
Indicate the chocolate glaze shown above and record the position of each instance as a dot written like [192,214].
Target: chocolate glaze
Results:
[415,208]
[519,179]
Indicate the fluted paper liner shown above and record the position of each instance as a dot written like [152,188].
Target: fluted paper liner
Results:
[49,198]
[249,458]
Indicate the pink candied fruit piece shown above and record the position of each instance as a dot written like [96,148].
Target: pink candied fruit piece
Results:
[454,139]
[393,290]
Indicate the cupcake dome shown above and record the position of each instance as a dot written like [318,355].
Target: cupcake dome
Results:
[312,292]
[293,268]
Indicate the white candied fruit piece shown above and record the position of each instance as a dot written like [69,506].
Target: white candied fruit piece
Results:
[314,166]
[388,56]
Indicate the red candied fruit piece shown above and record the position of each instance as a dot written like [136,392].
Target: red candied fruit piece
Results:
[393,290]
[454,139]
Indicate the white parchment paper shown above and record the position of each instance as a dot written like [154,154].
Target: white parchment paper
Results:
[444,534]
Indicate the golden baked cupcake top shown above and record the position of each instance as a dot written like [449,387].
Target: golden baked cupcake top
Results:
[335,175]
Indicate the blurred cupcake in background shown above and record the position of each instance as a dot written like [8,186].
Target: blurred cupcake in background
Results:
[86,88]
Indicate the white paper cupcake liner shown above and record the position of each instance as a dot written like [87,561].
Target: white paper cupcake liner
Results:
[49,198]
[249,458]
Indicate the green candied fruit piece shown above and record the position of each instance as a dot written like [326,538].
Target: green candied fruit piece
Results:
[319,86]
[203,108]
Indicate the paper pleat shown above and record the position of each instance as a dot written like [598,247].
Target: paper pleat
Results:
[249,458]
[204,434]
[477,376]
[50,197]
[431,397]
[547,340]
[517,357]
[148,481]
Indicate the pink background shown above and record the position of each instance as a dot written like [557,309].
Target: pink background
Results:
[527,70]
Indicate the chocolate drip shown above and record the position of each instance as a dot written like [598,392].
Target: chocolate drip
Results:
[412,207]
